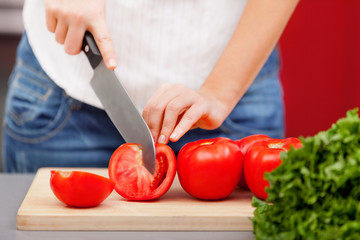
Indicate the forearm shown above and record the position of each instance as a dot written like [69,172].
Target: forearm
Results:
[255,36]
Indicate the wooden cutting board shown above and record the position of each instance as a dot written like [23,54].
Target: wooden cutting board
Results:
[176,210]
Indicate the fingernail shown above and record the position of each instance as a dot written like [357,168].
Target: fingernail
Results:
[173,136]
[161,139]
[112,63]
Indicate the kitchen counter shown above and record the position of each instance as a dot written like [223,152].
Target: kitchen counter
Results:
[13,188]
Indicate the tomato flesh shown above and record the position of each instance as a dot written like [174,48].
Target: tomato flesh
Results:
[133,180]
[80,189]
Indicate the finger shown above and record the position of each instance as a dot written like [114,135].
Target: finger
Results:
[147,109]
[105,44]
[174,110]
[60,32]
[74,39]
[155,108]
[154,99]
[190,117]
[51,21]
[50,16]
[152,106]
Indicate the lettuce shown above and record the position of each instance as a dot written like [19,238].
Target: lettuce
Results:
[315,192]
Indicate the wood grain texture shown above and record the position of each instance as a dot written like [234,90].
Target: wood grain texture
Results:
[40,210]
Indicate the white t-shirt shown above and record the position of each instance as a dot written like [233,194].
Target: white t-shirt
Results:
[156,41]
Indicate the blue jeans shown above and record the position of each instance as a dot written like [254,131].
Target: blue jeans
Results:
[43,127]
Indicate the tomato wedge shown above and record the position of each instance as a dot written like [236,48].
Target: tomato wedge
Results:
[80,189]
[133,180]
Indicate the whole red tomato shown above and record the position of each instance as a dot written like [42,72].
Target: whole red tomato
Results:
[133,180]
[245,144]
[209,169]
[264,156]
[80,189]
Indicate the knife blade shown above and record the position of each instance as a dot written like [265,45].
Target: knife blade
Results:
[118,104]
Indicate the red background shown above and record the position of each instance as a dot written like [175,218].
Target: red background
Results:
[320,50]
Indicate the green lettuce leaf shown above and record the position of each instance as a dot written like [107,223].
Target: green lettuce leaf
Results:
[315,192]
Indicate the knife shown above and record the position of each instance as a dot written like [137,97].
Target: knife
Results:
[117,103]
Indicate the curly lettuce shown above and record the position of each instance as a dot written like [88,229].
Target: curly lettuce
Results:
[315,192]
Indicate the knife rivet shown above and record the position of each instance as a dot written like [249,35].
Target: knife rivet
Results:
[87,48]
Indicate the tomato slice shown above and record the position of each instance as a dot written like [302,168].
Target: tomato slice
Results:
[80,189]
[133,180]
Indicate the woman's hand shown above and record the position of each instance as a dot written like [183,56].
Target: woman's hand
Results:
[175,109]
[69,19]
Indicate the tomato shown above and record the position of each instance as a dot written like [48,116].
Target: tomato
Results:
[80,189]
[133,180]
[245,144]
[209,169]
[264,156]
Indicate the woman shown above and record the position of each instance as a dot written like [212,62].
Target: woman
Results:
[194,69]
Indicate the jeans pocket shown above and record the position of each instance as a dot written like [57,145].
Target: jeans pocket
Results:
[35,106]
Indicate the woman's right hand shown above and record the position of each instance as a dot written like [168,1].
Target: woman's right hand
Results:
[69,19]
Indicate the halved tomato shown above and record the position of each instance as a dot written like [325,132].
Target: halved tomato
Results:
[80,189]
[133,181]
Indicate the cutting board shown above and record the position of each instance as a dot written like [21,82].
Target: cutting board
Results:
[176,210]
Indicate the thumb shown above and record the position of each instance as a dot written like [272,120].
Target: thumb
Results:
[105,44]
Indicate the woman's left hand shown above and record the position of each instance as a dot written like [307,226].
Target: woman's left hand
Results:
[174,109]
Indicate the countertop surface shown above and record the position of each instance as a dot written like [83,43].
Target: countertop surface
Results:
[13,188]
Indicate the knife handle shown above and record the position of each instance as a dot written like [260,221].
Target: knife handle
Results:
[91,50]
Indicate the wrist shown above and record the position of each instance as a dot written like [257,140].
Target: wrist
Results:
[222,101]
